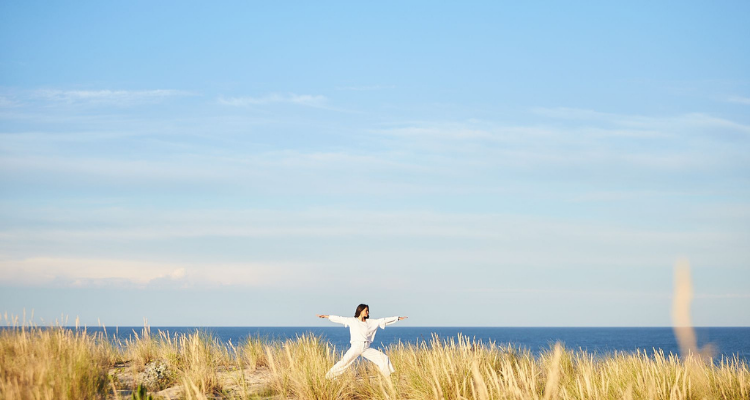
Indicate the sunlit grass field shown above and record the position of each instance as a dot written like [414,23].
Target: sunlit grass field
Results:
[60,363]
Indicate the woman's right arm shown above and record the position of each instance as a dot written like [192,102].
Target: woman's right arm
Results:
[335,318]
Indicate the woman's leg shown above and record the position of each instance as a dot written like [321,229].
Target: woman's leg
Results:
[346,360]
[380,359]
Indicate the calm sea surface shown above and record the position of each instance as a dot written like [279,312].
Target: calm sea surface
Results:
[726,341]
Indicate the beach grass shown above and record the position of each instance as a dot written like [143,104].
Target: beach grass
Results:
[62,363]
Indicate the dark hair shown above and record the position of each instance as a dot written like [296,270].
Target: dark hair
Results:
[361,308]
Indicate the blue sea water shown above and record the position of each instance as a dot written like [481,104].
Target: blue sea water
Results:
[727,342]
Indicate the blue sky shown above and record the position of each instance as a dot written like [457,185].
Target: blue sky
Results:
[483,164]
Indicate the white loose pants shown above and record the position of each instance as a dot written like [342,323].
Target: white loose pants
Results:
[362,349]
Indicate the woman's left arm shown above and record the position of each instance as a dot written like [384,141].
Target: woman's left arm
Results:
[382,322]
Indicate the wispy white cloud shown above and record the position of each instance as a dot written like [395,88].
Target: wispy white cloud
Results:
[739,100]
[276,98]
[366,88]
[267,173]
[722,296]
[86,272]
[573,113]
[574,138]
[122,171]
[563,291]
[590,293]
[701,120]
[690,121]
[439,132]
[6,102]
[116,97]
[513,239]
[418,158]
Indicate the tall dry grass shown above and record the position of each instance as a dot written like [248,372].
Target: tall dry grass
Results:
[299,367]
[59,363]
[53,363]
[461,368]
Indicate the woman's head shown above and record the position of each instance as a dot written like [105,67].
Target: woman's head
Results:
[362,308]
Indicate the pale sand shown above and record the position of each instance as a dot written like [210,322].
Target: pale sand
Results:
[256,383]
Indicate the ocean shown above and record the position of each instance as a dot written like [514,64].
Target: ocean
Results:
[727,342]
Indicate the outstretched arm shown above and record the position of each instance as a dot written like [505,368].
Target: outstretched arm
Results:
[382,322]
[335,318]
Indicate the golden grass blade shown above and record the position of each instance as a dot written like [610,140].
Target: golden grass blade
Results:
[683,296]
[551,388]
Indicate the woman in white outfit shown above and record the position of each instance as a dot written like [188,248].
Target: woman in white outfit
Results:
[362,330]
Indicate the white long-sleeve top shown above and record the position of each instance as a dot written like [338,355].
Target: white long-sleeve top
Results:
[363,331]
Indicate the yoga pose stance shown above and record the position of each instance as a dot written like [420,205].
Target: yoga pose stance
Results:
[362,330]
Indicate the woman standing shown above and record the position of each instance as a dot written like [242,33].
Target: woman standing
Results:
[362,330]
